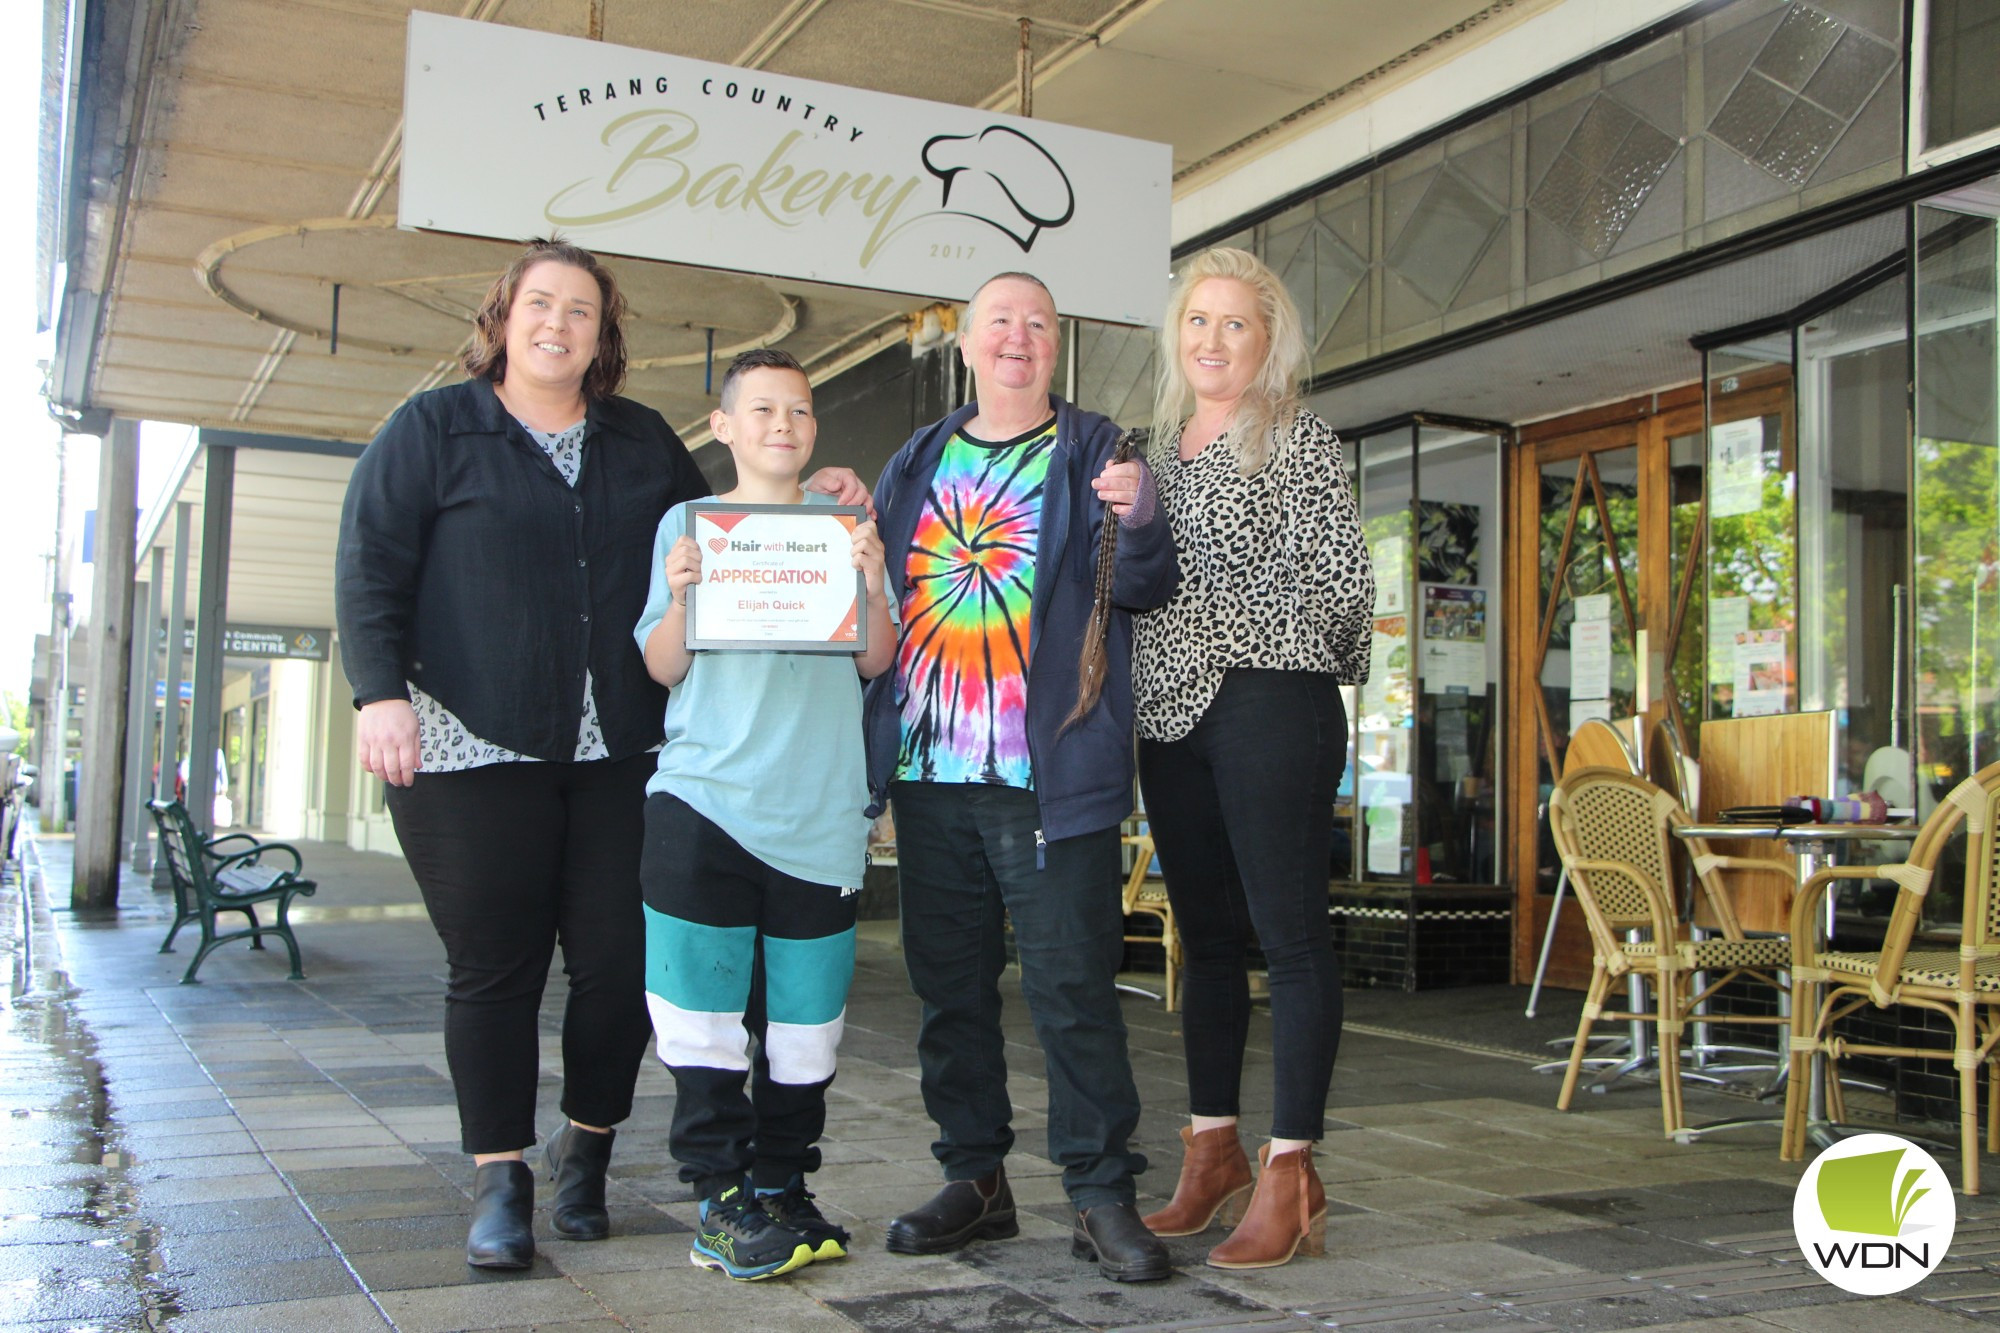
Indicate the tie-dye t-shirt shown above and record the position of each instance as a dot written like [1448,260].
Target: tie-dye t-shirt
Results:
[962,669]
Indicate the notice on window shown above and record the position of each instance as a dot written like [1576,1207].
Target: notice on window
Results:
[1454,668]
[1383,799]
[1390,556]
[1736,468]
[1386,696]
[1454,647]
[1584,710]
[1760,672]
[1727,618]
[1597,606]
[1454,613]
[1385,840]
[1590,659]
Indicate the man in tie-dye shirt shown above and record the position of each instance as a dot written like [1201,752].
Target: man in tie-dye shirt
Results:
[991,521]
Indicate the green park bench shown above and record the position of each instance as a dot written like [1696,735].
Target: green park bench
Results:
[219,875]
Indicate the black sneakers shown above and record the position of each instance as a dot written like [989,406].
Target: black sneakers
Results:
[739,1238]
[794,1209]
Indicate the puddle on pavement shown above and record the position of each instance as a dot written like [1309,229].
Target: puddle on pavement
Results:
[45,1041]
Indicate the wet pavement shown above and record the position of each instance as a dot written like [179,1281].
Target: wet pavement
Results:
[257,1154]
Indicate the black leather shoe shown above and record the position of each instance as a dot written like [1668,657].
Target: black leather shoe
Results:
[503,1201]
[964,1210]
[577,1160]
[1125,1251]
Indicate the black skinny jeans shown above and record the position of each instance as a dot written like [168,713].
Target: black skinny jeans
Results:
[511,859]
[1241,810]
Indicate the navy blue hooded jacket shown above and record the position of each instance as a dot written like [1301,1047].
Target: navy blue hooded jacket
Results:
[1083,776]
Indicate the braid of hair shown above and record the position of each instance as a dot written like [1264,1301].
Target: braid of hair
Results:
[1094,661]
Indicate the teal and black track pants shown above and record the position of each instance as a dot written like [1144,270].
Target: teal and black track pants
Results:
[737,951]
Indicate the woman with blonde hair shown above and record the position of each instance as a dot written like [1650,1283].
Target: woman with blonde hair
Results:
[1243,735]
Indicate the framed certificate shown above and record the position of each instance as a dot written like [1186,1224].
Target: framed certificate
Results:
[777,578]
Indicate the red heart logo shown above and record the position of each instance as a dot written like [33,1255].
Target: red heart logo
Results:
[718,544]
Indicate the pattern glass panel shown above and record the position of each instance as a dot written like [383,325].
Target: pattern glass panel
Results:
[1445,237]
[1787,96]
[1962,55]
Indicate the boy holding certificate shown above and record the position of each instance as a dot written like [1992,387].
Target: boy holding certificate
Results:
[755,843]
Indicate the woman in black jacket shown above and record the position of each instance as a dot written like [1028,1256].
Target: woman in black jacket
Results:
[495,548]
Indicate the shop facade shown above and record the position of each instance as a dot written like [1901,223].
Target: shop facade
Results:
[1668,391]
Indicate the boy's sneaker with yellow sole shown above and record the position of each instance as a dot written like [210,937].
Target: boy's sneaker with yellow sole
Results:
[794,1209]
[737,1237]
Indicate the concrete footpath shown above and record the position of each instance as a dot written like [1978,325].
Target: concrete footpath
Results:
[252,1153]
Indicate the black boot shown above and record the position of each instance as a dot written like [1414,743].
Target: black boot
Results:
[503,1201]
[577,1160]
[1125,1251]
[964,1210]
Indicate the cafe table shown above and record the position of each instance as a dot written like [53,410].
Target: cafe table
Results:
[1815,847]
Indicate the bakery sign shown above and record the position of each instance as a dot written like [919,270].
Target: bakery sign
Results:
[512,133]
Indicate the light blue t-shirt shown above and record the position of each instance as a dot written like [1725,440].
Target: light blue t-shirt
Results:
[766,745]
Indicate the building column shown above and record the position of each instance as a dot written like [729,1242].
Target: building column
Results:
[55,680]
[218,497]
[333,725]
[170,719]
[139,723]
[101,765]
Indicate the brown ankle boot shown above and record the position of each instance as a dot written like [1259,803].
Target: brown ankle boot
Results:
[1215,1181]
[1287,1215]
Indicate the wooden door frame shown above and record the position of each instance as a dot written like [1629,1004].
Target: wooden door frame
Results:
[1644,423]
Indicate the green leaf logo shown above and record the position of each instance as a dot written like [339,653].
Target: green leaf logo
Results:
[1861,1193]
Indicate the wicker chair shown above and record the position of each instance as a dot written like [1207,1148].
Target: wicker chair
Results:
[1146,895]
[1963,984]
[1614,830]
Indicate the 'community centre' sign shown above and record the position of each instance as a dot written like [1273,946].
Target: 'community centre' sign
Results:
[511,133]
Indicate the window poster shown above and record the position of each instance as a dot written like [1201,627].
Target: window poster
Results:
[1590,659]
[1760,677]
[1727,618]
[1390,556]
[1386,696]
[1454,640]
[1585,710]
[1736,468]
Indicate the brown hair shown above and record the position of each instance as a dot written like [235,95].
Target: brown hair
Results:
[757,358]
[487,357]
[1095,659]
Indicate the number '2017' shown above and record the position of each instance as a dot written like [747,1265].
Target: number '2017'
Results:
[951,252]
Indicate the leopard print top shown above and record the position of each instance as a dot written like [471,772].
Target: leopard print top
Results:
[1274,574]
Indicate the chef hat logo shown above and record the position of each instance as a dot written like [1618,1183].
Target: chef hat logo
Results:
[1003,178]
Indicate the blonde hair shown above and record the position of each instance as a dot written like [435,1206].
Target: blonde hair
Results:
[1264,413]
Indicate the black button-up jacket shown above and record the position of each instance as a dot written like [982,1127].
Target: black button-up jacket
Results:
[469,568]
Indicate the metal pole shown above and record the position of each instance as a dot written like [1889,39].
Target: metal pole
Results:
[102,765]
[1024,69]
[139,752]
[211,606]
